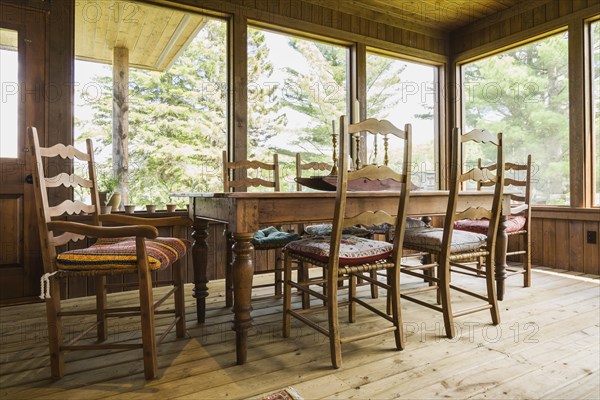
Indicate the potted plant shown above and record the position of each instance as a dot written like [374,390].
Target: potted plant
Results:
[107,188]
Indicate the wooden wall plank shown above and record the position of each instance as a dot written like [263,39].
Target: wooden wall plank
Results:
[562,244]
[537,241]
[591,262]
[576,246]
[549,237]
[539,15]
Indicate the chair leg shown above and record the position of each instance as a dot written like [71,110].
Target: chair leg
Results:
[278,271]
[351,295]
[102,329]
[374,288]
[147,312]
[287,295]
[490,278]
[388,302]
[303,276]
[179,298]
[527,262]
[394,299]
[55,337]
[229,271]
[444,291]
[334,326]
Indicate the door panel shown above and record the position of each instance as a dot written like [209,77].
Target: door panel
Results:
[22,49]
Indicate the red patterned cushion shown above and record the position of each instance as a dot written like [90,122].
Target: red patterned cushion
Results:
[514,223]
[120,253]
[354,250]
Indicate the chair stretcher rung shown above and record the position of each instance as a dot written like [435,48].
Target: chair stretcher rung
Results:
[418,290]
[468,292]
[372,309]
[421,302]
[111,346]
[514,253]
[309,322]
[422,276]
[306,289]
[164,334]
[354,338]
[472,310]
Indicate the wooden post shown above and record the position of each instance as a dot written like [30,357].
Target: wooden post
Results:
[120,132]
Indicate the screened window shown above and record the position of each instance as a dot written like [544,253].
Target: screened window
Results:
[406,92]
[296,87]
[524,93]
[177,100]
[595,42]
[9,84]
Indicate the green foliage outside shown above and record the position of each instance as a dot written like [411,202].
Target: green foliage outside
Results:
[524,93]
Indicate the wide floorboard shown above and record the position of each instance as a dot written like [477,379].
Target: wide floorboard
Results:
[546,347]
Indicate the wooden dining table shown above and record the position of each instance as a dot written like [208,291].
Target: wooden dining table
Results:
[245,213]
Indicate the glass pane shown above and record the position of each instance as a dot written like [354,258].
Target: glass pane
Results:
[9,84]
[405,92]
[177,104]
[596,105]
[296,88]
[524,93]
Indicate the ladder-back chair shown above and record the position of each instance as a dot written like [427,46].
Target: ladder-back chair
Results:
[518,223]
[119,250]
[238,176]
[452,248]
[348,257]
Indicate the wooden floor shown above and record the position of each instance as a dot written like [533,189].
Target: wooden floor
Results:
[547,346]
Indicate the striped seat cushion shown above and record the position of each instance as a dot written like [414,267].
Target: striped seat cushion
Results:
[121,254]
[354,250]
[431,239]
[514,223]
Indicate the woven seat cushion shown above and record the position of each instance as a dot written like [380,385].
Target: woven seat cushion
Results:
[354,250]
[325,230]
[121,254]
[272,238]
[514,223]
[431,239]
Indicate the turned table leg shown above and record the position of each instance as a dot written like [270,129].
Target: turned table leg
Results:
[200,261]
[500,262]
[242,273]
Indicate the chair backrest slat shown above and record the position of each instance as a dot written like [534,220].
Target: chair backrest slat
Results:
[68,180]
[65,238]
[63,151]
[235,174]
[71,207]
[309,166]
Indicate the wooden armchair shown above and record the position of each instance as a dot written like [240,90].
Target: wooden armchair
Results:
[518,223]
[452,247]
[236,177]
[348,257]
[134,249]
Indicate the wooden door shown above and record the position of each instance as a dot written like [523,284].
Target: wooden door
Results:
[22,63]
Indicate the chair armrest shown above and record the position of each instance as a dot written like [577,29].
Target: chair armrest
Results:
[146,231]
[157,222]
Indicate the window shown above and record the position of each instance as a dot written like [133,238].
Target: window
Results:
[9,81]
[296,87]
[524,93]
[177,118]
[595,67]
[406,92]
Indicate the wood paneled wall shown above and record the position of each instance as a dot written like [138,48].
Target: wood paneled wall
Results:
[324,18]
[525,20]
[559,240]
